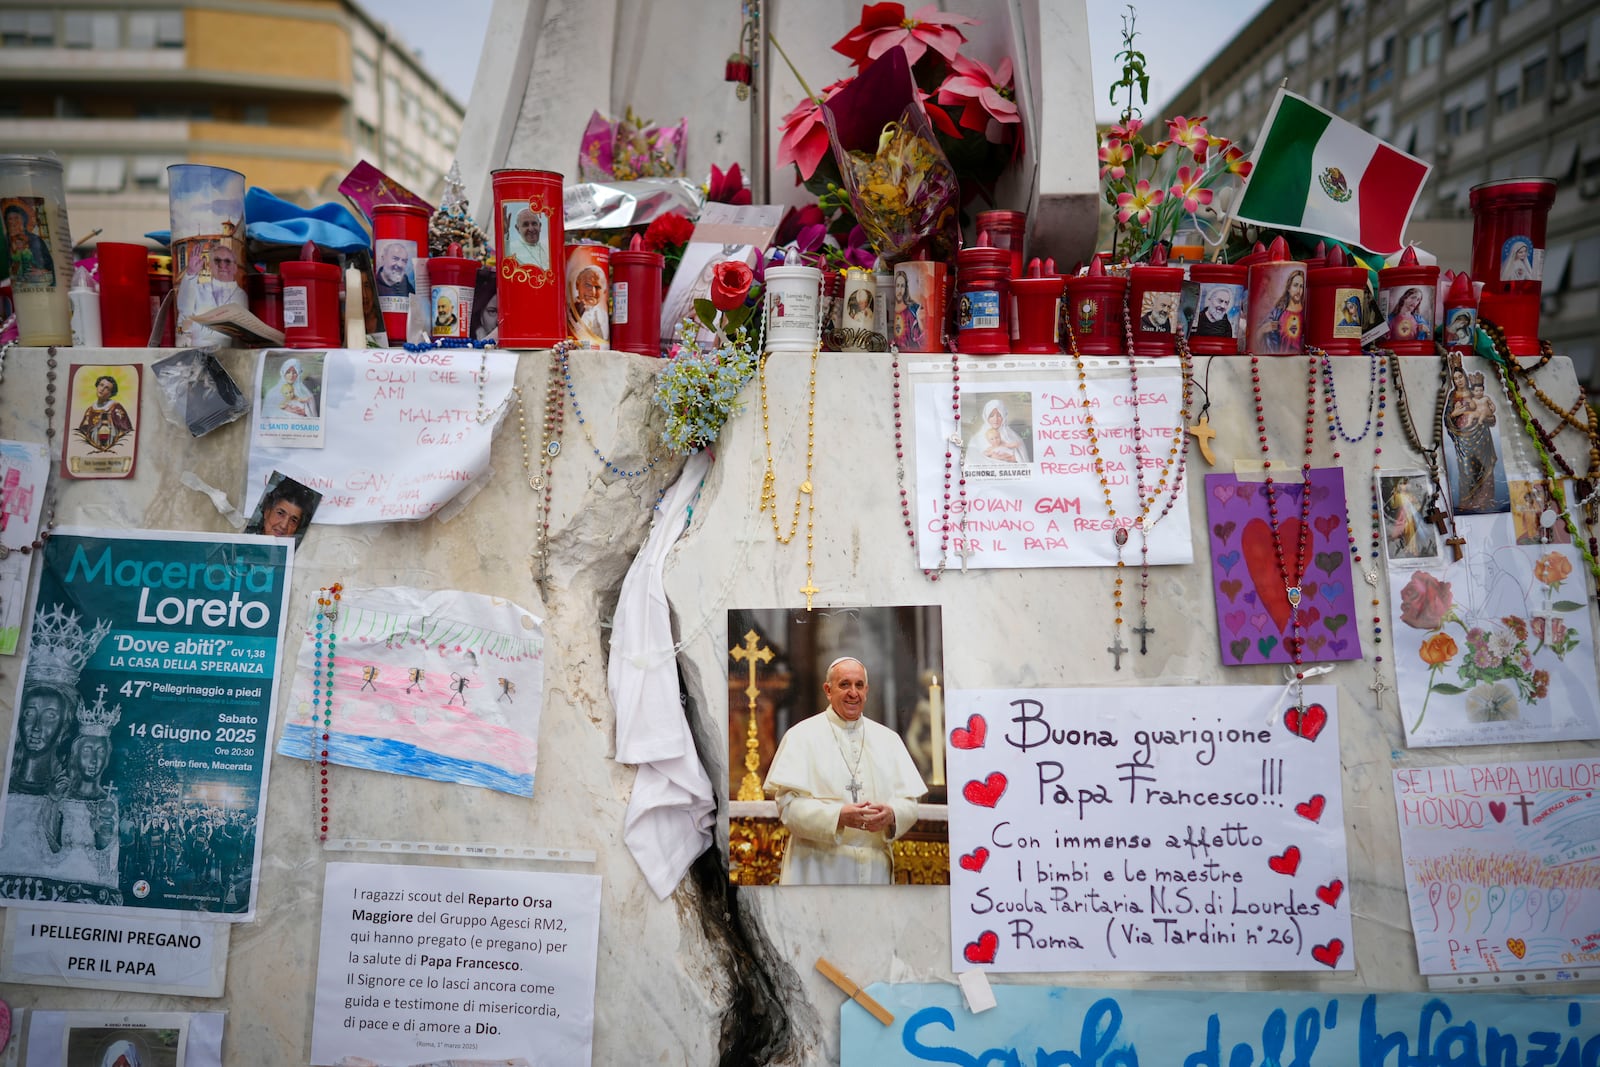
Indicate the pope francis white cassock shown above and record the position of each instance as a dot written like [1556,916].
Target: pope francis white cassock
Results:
[845,787]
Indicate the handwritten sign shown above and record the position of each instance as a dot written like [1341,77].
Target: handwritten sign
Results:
[424,964]
[1125,1028]
[404,432]
[1171,829]
[1033,494]
[1502,864]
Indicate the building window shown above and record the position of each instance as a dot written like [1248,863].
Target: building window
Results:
[92,29]
[155,29]
[1507,100]
[1460,28]
[1512,5]
[1322,29]
[1423,49]
[1452,121]
[1574,61]
[366,135]
[150,172]
[195,111]
[27,29]
[96,174]
[1534,77]
[1476,115]
[1586,262]
[256,115]
[364,70]
[1482,15]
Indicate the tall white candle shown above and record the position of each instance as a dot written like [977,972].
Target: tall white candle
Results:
[936,724]
[38,247]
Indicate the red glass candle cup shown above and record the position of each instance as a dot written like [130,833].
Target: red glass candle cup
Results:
[529,235]
[1337,306]
[636,301]
[1407,293]
[1508,228]
[1094,311]
[1038,314]
[1218,327]
[1153,291]
[1276,311]
[1007,230]
[159,271]
[399,237]
[124,295]
[983,301]
[451,282]
[310,303]
[265,293]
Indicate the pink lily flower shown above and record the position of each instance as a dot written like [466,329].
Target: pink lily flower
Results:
[1114,159]
[1188,189]
[1190,134]
[1139,204]
[1233,159]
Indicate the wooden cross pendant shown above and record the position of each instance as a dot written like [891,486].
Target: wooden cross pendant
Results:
[1144,630]
[1202,434]
[1117,651]
[1455,542]
[1437,519]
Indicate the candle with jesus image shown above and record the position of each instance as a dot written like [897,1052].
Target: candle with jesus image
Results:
[936,725]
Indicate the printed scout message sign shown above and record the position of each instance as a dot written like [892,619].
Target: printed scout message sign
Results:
[1068,1027]
[435,964]
[138,768]
[1171,829]
[1502,864]
[1033,495]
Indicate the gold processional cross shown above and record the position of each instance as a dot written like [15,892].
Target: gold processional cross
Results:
[750,652]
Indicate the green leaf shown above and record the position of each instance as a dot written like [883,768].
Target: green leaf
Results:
[1567,605]
[1448,690]
[706,312]
[738,316]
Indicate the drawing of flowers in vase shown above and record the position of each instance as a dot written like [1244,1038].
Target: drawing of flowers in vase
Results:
[1493,660]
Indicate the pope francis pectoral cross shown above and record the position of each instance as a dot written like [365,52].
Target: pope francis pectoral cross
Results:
[855,790]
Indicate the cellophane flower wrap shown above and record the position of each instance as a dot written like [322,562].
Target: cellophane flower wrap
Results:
[902,188]
[631,148]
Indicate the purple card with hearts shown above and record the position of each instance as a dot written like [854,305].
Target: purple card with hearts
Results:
[1261,612]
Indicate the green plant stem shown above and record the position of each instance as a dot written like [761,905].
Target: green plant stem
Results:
[1432,673]
[792,68]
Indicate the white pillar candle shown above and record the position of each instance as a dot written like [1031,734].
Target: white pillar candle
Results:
[936,724]
[38,247]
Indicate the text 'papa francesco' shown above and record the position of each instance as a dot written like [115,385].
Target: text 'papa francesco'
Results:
[145,575]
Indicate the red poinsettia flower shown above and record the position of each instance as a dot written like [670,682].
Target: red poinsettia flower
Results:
[984,95]
[727,186]
[886,26]
[937,115]
[795,219]
[805,138]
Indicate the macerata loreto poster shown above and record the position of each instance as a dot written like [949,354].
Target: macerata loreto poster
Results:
[137,775]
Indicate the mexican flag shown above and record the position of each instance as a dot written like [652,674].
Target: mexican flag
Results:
[1317,173]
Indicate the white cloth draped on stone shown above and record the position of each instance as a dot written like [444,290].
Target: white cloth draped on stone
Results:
[810,778]
[672,807]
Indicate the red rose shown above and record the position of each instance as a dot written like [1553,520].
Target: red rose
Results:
[730,284]
[1425,601]
[668,232]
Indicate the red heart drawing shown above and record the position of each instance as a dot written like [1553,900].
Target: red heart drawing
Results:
[970,735]
[974,860]
[1326,524]
[985,794]
[1497,808]
[1312,809]
[1309,724]
[1329,894]
[983,949]
[1261,560]
[1328,955]
[1287,863]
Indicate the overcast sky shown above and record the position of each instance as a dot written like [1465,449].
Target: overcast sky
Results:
[1174,35]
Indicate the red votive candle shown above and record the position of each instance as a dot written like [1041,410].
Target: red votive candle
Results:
[983,299]
[1094,310]
[1277,307]
[265,293]
[452,280]
[1508,226]
[1007,230]
[1038,303]
[1407,292]
[529,236]
[310,301]
[636,300]
[124,295]
[159,271]
[399,238]
[1153,291]
[1458,331]
[1338,305]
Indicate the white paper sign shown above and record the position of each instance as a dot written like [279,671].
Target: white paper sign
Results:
[1151,829]
[433,963]
[1033,494]
[405,432]
[182,1039]
[183,957]
[1502,864]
